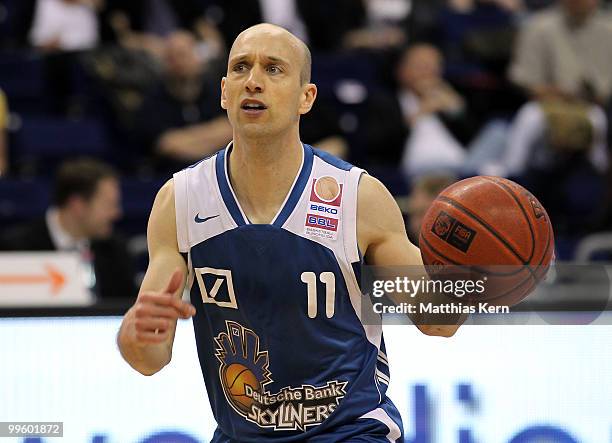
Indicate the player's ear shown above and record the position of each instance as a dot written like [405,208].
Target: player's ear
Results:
[223,97]
[309,95]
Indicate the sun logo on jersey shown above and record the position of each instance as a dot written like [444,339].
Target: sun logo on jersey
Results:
[244,368]
[326,190]
[324,208]
[244,374]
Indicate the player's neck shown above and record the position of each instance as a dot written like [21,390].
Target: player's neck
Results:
[262,172]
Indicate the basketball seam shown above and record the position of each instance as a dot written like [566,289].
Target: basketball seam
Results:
[469,213]
[548,234]
[534,275]
[236,377]
[474,267]
[522,282]
[505,187]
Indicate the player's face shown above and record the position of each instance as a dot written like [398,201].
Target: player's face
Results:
[263,92]
[103,209]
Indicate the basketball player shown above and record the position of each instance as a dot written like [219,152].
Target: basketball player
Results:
[273,233]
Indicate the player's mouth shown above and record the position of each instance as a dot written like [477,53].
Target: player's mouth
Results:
[253,107]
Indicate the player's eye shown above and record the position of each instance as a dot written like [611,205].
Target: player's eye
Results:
[274,69]
[239,67]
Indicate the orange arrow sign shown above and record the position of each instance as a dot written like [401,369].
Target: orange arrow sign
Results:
[53,277]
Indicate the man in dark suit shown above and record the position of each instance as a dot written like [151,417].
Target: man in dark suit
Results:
[423,116]
[86,203]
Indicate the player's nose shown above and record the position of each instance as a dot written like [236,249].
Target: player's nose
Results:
[254,81]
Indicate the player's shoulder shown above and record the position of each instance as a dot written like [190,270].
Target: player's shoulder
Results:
[371,190]
[196,176]
[161,229]
[202,163]
[377,210]
[330,159]
[164,200]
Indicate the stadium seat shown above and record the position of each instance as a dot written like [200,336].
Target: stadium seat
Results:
[138,195]
[21,74]
[346,81]
[22,200]
[49,139]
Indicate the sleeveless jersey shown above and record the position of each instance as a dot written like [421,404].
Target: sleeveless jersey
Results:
[284,353]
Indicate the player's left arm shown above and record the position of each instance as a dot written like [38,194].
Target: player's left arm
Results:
[383,241]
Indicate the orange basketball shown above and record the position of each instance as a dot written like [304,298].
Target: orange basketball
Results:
[236,377]
[496,227]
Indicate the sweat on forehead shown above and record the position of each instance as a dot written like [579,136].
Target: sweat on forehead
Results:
[268,30]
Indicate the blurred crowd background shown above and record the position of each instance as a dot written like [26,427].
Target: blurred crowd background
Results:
[101,100]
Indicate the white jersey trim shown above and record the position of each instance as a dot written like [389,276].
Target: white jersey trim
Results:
[295,180]
[351,243]
[181,195]
[380,415]
[229,183]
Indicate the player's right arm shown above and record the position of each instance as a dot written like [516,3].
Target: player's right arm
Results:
[159,303]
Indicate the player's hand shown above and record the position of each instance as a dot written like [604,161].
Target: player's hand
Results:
[155,313]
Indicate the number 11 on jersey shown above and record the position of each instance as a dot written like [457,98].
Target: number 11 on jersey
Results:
[329,279]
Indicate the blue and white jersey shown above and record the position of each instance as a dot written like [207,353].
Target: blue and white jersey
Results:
[284,353]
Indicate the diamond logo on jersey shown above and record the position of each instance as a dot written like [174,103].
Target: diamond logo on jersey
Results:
[244,375]
[324,208]
[216,287]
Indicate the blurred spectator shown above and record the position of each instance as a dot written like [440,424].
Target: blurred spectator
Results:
[386,23]
[476,38]
[145,24]
[564,61]
[424,191]
[86,203]
[321,24]
[65,25]
[131,62]
[183,120]
[536,5]
[62,30]
[423,19]
[427,122]
[122,76]
[320,128]
[4,154]
[565,51]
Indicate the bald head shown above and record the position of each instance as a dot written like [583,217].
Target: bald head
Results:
[267,29]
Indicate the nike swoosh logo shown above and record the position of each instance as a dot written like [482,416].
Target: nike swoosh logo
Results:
[205,219]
